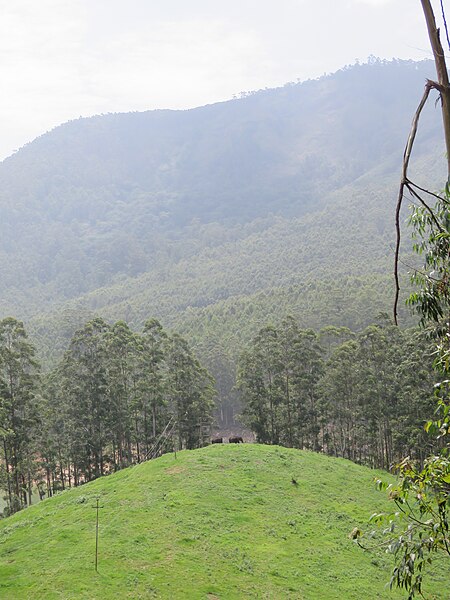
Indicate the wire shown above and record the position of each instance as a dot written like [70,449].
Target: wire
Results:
[155,447]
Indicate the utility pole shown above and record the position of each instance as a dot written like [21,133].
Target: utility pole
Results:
[97,507]
[173,436]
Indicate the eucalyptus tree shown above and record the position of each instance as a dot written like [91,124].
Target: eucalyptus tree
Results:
[122,352]
[277,376]
[220,360]
[84,382]
[260,379]
[415,400]
[55,460]
[190,393]
[267,345]
[307,374]
[100,409]
[151,399]
[250,380]
[339,390]
[19,420]
[380,355]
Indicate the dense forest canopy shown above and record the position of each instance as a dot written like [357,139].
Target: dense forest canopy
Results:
[116,398]
[119,397]
[364,397]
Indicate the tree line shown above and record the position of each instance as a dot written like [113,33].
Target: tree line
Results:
[362,396]
[104,407]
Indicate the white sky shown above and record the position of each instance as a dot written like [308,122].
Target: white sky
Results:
[61,59]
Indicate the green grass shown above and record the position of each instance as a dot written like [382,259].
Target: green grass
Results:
[224,522]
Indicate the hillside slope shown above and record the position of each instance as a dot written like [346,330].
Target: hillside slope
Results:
[104,201]
[298,259]
[219,219]
[224,522]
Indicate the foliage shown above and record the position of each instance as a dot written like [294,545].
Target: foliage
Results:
[99,200]
[209,219]
[359,396]
[431,229]
[419,531]
[153,213]
[19,417]
[104,407]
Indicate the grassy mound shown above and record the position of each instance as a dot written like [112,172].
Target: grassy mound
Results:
[224,522]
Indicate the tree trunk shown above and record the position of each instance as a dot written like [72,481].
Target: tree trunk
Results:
[442,74]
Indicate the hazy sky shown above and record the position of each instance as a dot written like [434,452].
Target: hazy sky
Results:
[61,59]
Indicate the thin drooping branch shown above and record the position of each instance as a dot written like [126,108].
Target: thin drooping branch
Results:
[430,193]
[404,181]
[416,270]
[412,134]
[418,197]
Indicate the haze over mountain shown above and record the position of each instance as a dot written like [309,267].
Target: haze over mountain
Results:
[219,218]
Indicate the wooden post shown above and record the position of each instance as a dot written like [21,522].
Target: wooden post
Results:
[174,439]
[96,538]
[97,507]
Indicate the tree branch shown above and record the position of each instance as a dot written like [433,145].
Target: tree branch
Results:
[413,192]
[404,180]
[437,196]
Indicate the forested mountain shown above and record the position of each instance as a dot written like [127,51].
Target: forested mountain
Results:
[217,219]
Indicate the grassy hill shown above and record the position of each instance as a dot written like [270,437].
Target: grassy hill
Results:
[224,522]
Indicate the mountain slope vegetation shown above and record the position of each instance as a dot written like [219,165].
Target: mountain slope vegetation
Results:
[217,219]
[121,195]
[221,522]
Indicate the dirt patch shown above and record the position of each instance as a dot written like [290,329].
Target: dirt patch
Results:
[174,470]
[212,597]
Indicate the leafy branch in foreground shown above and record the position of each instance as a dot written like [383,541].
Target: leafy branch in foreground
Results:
[419,529]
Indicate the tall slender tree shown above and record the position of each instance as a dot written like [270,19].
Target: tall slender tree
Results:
[190,393]
[18,412]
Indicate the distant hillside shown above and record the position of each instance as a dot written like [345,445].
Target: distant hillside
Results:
[219,219]
[330,267]
[116,196]
[224,522]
